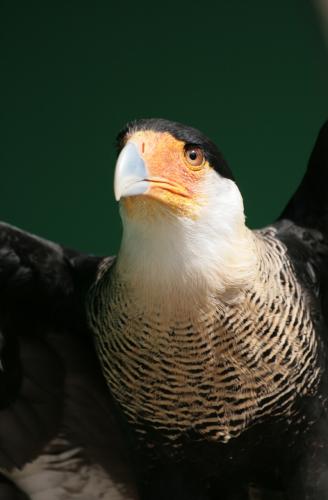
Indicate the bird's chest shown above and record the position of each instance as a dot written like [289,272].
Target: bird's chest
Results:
[215,373]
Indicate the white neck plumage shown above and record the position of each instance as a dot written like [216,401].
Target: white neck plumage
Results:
[165,257]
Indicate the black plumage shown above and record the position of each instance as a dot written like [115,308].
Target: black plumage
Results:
[50,384]
[49,368]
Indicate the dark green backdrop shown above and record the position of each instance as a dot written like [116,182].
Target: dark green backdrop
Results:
[252,74]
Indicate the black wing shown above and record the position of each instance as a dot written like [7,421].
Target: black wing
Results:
[303,225]
[53,401]
[309,205]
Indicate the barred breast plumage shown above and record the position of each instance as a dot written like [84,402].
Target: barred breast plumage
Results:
[218,370]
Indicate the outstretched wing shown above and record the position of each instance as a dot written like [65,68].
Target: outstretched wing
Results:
[55,410]
[303,225]
[309,205]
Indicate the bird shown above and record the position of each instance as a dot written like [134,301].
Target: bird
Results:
[191,366]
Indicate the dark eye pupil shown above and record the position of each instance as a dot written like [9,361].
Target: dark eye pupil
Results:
[193,155]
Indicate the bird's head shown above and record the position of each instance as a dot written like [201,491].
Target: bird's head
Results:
[181,208]
[176,166]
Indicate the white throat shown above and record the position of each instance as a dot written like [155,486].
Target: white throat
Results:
[169,256]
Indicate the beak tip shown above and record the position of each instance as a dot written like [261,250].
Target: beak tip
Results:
[117,194]
[117,190]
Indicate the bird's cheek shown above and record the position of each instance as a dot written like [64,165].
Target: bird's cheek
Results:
[177,202]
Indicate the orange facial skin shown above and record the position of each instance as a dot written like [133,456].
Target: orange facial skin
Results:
[173,180]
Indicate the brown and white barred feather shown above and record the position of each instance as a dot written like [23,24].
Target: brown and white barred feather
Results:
[217,370]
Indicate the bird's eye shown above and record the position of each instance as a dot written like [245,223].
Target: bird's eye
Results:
[194,155]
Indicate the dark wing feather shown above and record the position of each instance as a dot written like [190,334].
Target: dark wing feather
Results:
[309,205]
[42,287]
[50,381]
[47,281]
[303,225]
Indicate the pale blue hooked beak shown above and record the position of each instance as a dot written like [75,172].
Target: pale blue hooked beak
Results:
[130,178]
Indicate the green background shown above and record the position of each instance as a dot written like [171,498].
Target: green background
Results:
[251,74]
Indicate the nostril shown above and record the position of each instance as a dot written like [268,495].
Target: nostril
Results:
[143,147]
